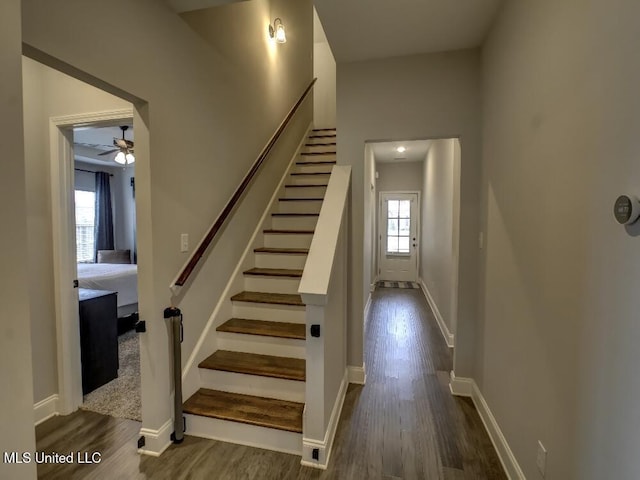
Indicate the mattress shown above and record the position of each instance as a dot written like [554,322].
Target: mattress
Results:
[115,277]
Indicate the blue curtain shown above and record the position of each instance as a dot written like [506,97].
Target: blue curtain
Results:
[104,214]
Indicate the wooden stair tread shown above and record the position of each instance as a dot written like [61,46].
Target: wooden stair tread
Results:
[318,153]
[306,186]
[265,328]
[271,298]
[326,144]
[324,129]
[285,251]
[235,407]
[300,199]
[287,232]
[320,162]
[255,364]
[309,173]
[295,214]
[324,135]
[275,272]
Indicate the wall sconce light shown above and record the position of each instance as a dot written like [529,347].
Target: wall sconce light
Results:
[277,31]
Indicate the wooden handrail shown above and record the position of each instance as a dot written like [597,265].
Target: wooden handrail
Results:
[222,217]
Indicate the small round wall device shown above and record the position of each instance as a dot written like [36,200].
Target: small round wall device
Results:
[626,209]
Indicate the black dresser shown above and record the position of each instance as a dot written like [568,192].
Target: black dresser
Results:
[98,337]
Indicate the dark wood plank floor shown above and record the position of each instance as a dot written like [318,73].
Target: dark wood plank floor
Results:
[404,424]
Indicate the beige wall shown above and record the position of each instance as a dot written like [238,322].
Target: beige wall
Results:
[324,69]
[394,177]
[202,117]
[47,93]
[421,96]
[560,294]
[438,257]
[16,399]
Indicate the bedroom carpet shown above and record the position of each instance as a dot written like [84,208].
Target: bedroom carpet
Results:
[120,397]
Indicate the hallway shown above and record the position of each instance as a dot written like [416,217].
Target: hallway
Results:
[404,424]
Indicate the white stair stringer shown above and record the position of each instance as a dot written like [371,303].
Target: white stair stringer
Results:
[244,434]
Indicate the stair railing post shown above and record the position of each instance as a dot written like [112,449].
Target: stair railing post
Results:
[175,315]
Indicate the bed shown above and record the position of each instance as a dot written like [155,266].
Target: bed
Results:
[116,277]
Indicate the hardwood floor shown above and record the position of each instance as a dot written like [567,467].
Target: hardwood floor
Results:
[404,424]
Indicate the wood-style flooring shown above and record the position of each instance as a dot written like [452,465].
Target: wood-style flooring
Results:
[404,424]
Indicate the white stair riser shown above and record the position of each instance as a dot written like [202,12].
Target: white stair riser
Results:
[256,385]
[280,347]
[300,206]
[308,168]
[322,139]
[257,283]
[318,155]
[305,192]
[294,223]
[287,240]
[318,147]
[277,260]
[266,311]
[243,434]
[308,179]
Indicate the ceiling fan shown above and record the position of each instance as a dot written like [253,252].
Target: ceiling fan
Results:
[125,149]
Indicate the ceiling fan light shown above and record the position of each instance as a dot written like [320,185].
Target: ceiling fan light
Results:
[120,158]
[130,158]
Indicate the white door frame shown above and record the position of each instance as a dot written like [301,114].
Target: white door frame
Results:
[382,221]
[64,249]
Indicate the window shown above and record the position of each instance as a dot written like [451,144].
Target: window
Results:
[85,226]
[398,226]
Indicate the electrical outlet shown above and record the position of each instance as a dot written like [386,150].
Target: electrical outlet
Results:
[184,242]
[541,458]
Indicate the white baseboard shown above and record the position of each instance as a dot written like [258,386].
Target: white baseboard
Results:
[467,387]
[367,307]
[448,336]
[324,447]
[357,375]
[156,441]
[45,409]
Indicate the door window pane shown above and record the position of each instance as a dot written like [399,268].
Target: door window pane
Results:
[405,226]
[405,208]
[393,208]
[403,244]
[85,225]
[398,226]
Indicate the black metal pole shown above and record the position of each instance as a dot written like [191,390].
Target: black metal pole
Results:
[175,315]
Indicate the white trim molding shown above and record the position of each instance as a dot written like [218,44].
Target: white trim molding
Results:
[156,441]
[448,336]
[45,409]
[326,445]
[467,387]
[367,307]
[357,375]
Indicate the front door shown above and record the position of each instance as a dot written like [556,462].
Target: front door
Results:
[398,237]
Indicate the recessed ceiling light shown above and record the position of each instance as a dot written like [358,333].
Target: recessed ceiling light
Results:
[401,149]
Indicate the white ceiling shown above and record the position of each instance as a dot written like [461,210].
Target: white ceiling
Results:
[180,6]
[385,152]
[365,29]
[90,141]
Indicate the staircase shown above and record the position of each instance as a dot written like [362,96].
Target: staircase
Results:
[253,386]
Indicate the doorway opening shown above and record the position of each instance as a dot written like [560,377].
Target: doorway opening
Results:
[413,210]
[79,196]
